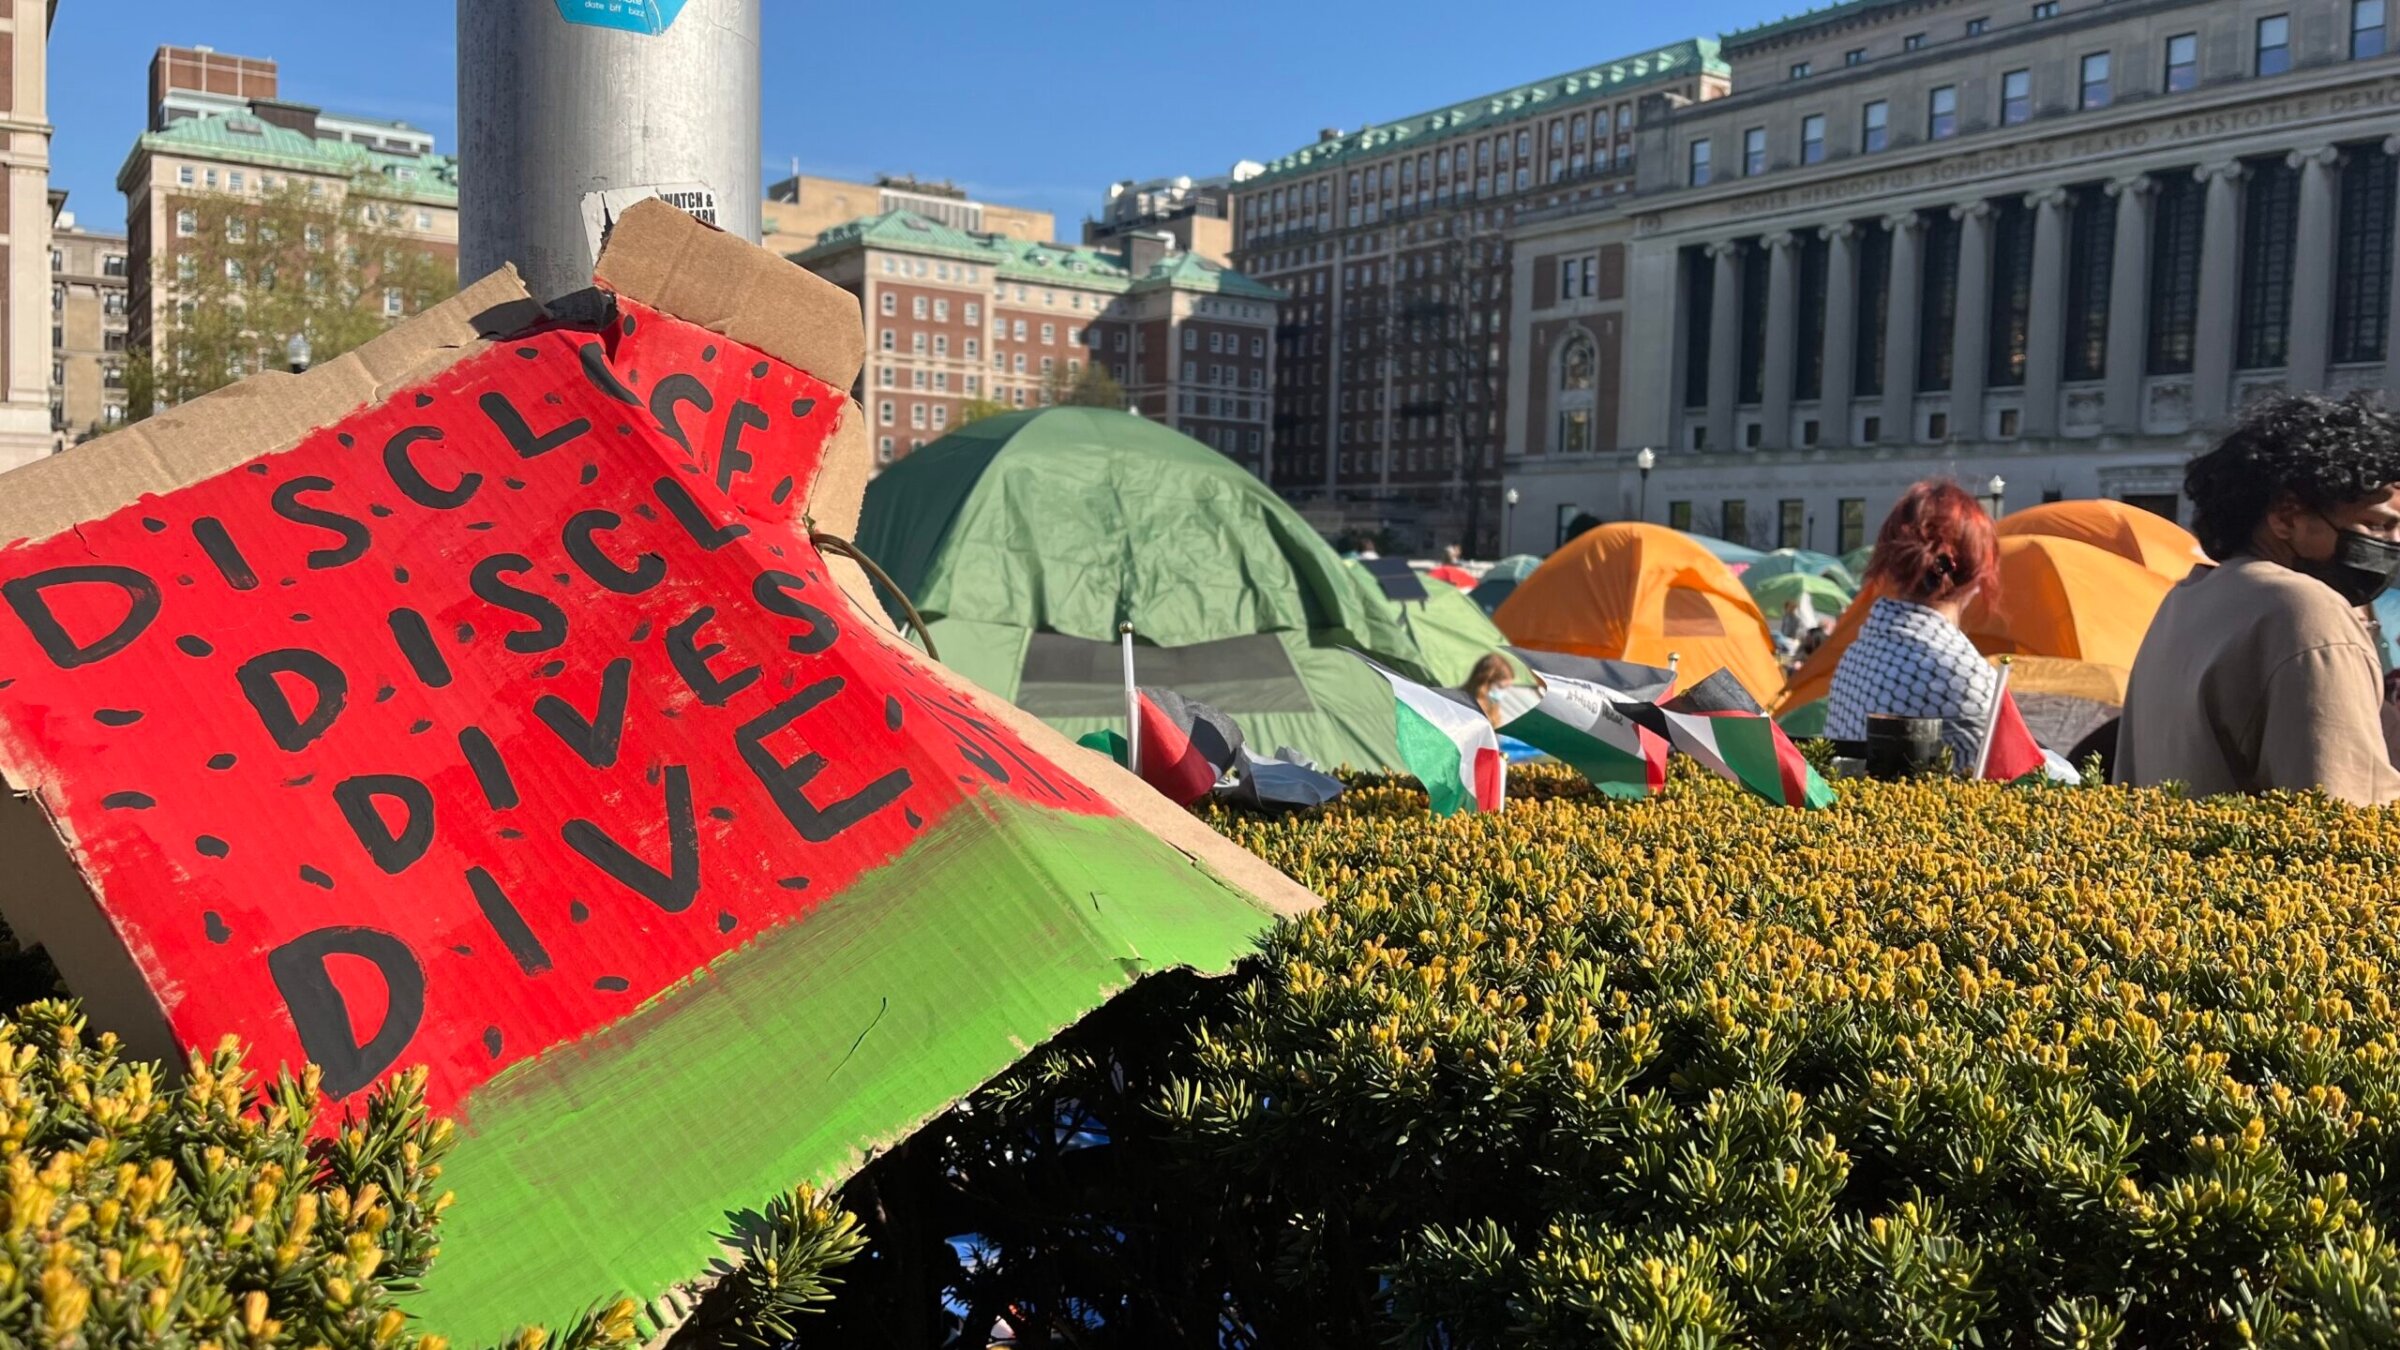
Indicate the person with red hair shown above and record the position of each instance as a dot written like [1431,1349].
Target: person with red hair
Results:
[1935,554]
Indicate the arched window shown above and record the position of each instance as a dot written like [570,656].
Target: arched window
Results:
[1576,379]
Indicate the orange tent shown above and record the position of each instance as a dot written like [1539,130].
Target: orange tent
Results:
[1641,593]
[2129,532]
[2072,614]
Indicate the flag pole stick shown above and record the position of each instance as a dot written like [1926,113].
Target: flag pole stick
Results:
[1983,752]
[1674,664]
[1133,702]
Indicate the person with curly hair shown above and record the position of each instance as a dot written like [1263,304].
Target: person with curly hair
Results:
[1935,554]
[2258,673]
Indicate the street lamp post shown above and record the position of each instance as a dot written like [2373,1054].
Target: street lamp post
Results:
[1646,461]
[1997,490]
[1508,527]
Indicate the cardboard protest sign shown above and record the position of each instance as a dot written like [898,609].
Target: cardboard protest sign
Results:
[479,701]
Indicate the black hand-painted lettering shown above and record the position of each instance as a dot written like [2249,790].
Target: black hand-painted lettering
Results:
[501,913]
[694,521]
[595,369]
[519,434]
[691,661]
[29,597]
[731,457]
[672,890]
[291,731]
[487,583]
[596,740]
[393,851]
[416,643]
[413,484]
[322,1016]
[219,546]
[491,772]
[774,592]
[786,784]
[354,533]
[674,390]
[645,573]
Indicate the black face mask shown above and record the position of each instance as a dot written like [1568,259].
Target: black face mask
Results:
[2361,567]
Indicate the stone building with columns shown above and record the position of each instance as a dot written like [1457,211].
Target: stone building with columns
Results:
[2053,244]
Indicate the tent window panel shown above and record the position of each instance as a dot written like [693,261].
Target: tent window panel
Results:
[1071,677]
[1692,614]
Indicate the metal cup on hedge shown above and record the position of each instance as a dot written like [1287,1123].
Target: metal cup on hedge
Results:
[1903,747]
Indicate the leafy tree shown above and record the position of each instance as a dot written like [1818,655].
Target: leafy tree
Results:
[977,409]
[332,265]
[1090,387]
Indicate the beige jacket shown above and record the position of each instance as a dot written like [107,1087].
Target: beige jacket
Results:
[2254,677]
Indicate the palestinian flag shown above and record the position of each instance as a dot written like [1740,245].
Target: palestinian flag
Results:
[1449,746]
[1723,728]
[1580,724]
[1186,746]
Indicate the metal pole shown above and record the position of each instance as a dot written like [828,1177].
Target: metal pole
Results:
[627,96]
[1133,702]
[1983,748]
[1645,496]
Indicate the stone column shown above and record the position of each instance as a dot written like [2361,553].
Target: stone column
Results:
[1724,344]
[2309,349]
[2128,306]
[1841,333]
[2391,328]
[2045,326]
[1775,390]
[2220,292]
[1901,299]
[1970,337]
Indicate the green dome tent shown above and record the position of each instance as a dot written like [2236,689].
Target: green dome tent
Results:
[1450,630]
[1025,539]
[1501,580]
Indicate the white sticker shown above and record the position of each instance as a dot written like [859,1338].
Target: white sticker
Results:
[601,209]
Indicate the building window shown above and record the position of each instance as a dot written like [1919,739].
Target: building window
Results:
[1978,27]
[2011,294]
[916,307]
[1791,523]
[2274,44]
[1733,516]
[1937,309]
[1913,42]
[394,304]
[1754,152]
[1700,288]
[2175,273]
[941,415]
[2183,62]
[1812,138]
[891,303]
[2016,97]
[1800,70]
[2366,29]
[183,174]
[1699,162]
[2272,202]
[2363,259]
[1577,378]
[1679,516]
[2091,263]
[1856,56]
[2094,80]
[1874,126]
[1874,292]
[1941,113]
[1753,373]
[187,223]
[2047,9]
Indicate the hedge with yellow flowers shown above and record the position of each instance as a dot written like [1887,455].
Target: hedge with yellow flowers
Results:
[1942,1064]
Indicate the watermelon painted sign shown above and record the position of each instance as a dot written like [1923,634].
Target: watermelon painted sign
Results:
[513,727]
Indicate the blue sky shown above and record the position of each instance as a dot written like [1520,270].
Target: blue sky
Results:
[1039,105]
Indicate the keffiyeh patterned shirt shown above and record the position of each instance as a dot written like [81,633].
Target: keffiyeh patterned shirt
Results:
[1911,662]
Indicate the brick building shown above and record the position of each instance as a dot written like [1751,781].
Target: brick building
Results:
[802,207]
[87,332]
[1392,244]
[25,213]
[955,316]
[219,134]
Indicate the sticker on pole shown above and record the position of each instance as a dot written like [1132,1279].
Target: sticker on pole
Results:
[649,17]
[601,209]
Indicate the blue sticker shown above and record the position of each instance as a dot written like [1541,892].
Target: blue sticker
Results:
[634,16]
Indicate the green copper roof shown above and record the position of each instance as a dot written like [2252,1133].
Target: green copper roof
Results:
[242,138]
[1031,260]
[1803,20]
[1589,84]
